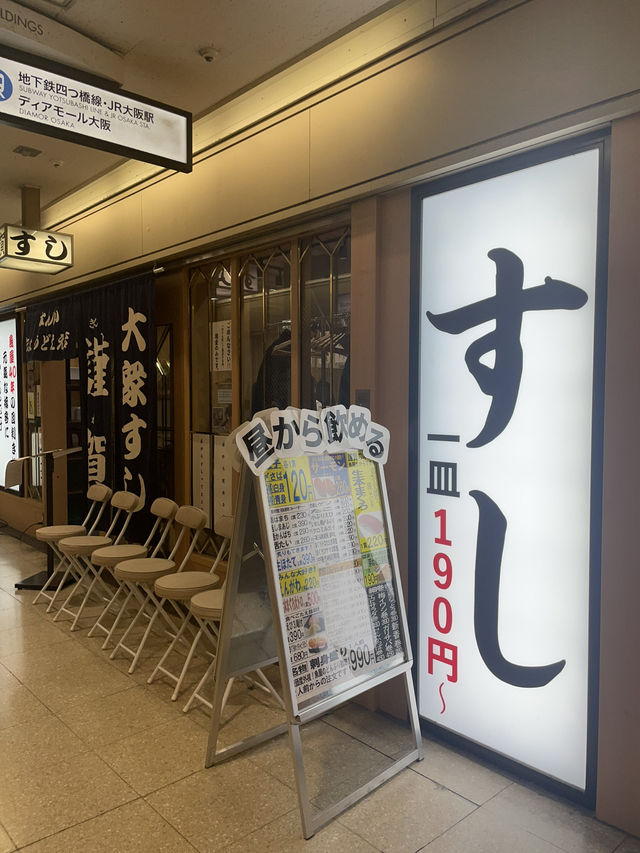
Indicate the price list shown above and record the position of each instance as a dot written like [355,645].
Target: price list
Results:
[334,570]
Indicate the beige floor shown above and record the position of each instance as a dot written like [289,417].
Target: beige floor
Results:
[92,759]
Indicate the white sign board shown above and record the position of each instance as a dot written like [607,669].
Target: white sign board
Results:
[507,293]
[9,420]
[221,345]
[60,103]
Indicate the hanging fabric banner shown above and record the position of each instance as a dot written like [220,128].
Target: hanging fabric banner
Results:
[135,385]
[51,330]
[96,365]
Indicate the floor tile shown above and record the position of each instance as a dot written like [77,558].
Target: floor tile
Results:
[132,828]
[58,796]
[216,807]
[7,679]
[459,774]
[33,664]
[629,845]
[18,705]
[559,823]
[335,764]
[246,715]
[384,734]
[116,716]
[8,601]
[154,758]
[6,844]
[284,835]
[484,833]
[15,617]
[27,636]
[76,682]
[36,744]
[405,814]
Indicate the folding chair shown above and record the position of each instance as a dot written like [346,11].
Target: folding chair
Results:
[139,576]
[99,495]
[178,589]
[79,549]
[206,608]
[164,511]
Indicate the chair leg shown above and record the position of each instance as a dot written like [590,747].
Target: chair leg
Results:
[97,625]
[80,573]
[143,601]
[96,577]
[160,665]
[268,687]
[117,619]
[48,584]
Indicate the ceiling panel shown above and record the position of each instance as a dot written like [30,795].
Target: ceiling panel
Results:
[160,40]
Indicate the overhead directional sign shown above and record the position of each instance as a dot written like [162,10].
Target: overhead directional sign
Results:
[47,98]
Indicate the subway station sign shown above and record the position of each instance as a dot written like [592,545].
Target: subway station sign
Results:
[47,98]
[506,485]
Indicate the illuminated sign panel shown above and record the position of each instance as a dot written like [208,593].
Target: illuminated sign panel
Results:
[507,316]
[58,101]
[9,419]
[35,251]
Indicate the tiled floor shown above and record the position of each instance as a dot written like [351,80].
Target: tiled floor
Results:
[92,759]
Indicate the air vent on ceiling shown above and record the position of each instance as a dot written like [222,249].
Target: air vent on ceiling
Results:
[61,4]
[25,151]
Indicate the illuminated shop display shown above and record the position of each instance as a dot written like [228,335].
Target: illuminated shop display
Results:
[508,309]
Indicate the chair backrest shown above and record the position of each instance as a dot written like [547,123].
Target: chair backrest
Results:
[164,510]
[125,504]
[99,495]
[191,521]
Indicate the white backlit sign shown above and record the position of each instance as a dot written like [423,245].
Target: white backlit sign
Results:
[62,104]
[507,279]
[9,420]
[35,251]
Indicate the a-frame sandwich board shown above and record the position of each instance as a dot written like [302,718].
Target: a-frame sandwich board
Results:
[313,585]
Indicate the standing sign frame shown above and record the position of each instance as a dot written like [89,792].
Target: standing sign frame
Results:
[253,634]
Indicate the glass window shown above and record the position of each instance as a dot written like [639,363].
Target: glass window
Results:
[211,348]
[266,331]
[325,295]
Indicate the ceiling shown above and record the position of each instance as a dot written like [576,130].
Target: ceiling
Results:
[157,46]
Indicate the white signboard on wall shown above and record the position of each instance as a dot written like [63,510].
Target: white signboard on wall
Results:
[507,290]
[9,420]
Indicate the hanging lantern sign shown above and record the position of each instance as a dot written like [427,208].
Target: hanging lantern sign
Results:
[35,251]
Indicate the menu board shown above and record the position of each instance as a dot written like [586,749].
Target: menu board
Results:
[332,553]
